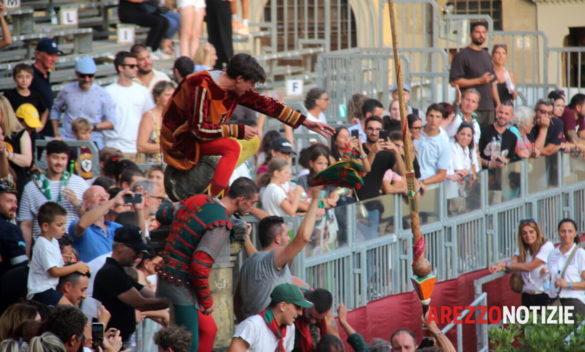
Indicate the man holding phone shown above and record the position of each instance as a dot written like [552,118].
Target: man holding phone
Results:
[92,235]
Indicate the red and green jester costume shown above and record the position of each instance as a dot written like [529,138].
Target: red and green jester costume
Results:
[200,227]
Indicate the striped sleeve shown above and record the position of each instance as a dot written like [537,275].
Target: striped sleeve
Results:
[201,128]
[272,108]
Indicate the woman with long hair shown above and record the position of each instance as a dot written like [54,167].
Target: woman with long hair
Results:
[531,256]
[205,57]
[345,147]
[149,130]
[13,316]
[18,141]
[462,168]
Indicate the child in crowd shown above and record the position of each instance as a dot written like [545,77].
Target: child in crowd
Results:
[157,175]
[47,265]
[106,154]
[275,200]
[84,159]
[30,119]
[22,74]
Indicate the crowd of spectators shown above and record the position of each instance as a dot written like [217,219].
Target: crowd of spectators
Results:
[73,235]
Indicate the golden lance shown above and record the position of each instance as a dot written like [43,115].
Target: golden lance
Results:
[423,280]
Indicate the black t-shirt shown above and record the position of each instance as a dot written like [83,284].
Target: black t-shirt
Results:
[492,142]
[111,280]
[42,86]
[22,173]
[12,246]
[16,100]
[554,133]
[470,63]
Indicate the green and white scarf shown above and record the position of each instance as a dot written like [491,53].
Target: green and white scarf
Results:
[43,183]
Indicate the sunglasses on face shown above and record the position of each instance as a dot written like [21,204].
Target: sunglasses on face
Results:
[86,75]
[131,66]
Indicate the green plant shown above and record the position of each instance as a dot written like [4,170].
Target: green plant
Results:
[538,337]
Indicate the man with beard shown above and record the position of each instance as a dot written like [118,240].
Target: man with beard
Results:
[148,76]
[195,122]
[83,99]
[200,228]
[56,185]
[131,101]
[12,245]
[472,68]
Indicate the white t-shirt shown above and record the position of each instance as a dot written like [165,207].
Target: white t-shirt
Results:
[46,255]
[131,102]
[157,76]
[460,160]
[533,281]
[318,138]
[451,131]
[433,153]
[32,200]
[556,262]
[255,332]
[272,197]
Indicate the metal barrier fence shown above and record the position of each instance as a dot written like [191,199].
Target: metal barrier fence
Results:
[365,251]
[567,68]
[370,71]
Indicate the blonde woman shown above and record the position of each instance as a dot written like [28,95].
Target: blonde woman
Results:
[532,256]
[192,13]
[147,141]
[205,57]
[18,141]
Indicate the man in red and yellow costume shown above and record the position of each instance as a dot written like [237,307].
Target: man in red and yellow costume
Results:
[195,123]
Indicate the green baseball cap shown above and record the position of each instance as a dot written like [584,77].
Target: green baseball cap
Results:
[289,293]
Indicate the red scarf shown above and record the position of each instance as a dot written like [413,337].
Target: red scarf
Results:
[302,325]
[277,330]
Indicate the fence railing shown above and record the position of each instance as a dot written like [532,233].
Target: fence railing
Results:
[363,251]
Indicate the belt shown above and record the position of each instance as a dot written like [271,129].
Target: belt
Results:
[533,292]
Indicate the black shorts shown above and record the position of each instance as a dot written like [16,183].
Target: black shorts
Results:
[50,297]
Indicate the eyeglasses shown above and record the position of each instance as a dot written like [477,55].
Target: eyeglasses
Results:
[130,65]
[545,112]
[86,75]
[373,129]
[527,221]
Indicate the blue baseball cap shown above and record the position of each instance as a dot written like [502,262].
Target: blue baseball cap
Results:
[85,65]
[48,46]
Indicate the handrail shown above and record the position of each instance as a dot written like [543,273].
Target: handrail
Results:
[481,299]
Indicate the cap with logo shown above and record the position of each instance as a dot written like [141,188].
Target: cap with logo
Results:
[85,65]
[131,236]
[29,114]
[289,293]
[282,145]
[49,46]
